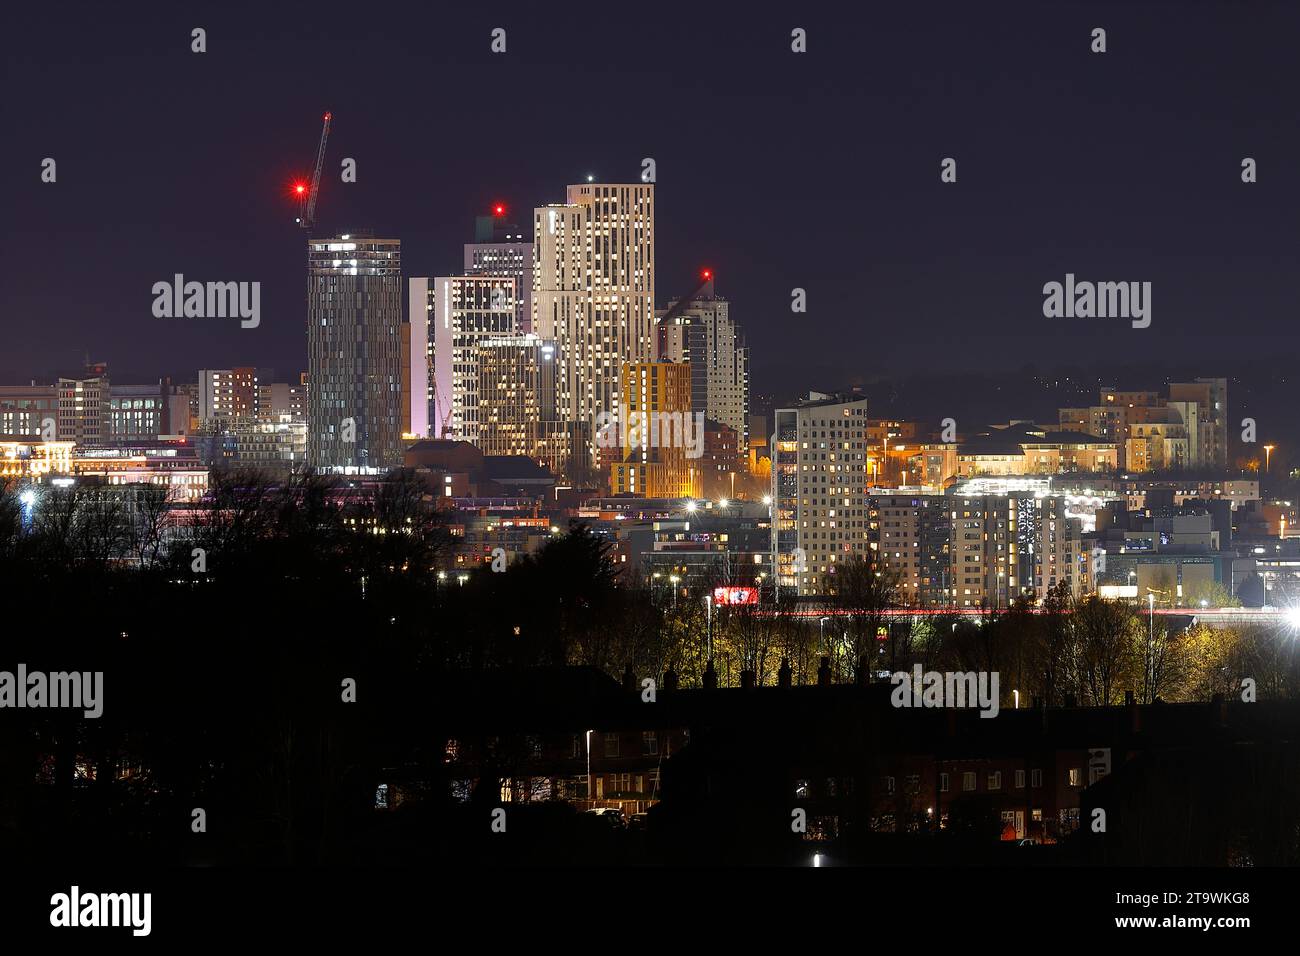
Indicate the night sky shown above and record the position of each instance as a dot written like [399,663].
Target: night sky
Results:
[776,170]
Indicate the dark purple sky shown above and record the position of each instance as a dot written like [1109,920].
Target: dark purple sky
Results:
[777,170]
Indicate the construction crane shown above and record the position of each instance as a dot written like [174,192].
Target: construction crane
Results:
[307,193]
[706,276]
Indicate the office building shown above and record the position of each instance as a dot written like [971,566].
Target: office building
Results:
[81,409]
[145,413]
[28,410]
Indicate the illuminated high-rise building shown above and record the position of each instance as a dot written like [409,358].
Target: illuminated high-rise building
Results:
[465,311]
[662,441]
[593,295]
[354,350]
[500,248]
[516,397]
[819,480]
[700,331]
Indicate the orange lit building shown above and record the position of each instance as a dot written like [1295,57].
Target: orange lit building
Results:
[662,441]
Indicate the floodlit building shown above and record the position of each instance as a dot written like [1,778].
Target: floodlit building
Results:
[662,441]
[1188,429]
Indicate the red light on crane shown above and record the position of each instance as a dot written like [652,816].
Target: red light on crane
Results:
[706,274]
[499,209]
[299,188]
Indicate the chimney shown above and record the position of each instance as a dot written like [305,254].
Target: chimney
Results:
[784,676]
[710,676]
[824,673]
[629,680]
[670,680]
[747,680]
[1220,704]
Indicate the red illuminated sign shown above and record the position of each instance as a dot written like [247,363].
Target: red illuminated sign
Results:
[735,595]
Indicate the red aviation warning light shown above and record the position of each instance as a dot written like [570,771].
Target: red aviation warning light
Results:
[499,209]
[299,189]
[706,274]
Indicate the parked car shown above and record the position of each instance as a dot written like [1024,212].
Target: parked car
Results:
[610,815]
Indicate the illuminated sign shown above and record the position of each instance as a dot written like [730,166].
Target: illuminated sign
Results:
[735,595]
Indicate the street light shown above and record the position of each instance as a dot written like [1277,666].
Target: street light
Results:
[821,623]
[1268,456]
[1151,638]
[589,792]
[674,580]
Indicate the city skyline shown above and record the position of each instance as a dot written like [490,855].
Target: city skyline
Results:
[879,243]
[487,443]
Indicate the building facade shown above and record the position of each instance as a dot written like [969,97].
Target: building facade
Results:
[593,295]
[701,332]
[467,311]
[354,348]
[516,396]
[501,249]
[819,484]
[658,433]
